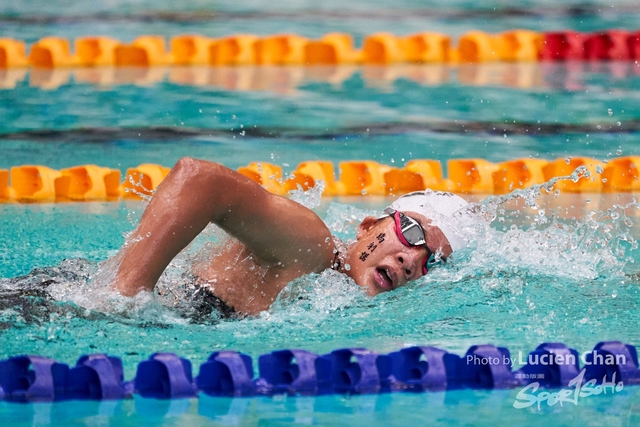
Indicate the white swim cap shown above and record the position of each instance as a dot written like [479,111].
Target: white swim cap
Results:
[445,210]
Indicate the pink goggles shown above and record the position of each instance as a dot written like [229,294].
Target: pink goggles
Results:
[410,233]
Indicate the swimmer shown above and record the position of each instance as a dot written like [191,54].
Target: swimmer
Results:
[278,240]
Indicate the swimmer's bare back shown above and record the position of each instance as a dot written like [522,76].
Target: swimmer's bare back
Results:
[278,237]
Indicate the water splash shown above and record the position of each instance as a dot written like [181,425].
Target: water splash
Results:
[323,294]
[135,185]
[524,229]
[310,198]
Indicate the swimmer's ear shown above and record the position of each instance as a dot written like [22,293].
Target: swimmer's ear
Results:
[367,224]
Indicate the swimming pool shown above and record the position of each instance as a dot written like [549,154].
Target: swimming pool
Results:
[563,288]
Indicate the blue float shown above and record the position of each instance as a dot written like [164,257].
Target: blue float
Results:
[354,371]
[423,368]
[612,361]
[486,366]
[96,377]
[550,365]
[164,376]
[288,372]
[226,373]
[32,379]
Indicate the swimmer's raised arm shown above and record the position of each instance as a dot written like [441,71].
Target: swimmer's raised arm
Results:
[277,230]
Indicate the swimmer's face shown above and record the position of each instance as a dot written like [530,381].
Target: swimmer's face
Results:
[380,262]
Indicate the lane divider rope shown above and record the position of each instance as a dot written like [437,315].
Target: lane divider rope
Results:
[299,372]
[34,183]
[333,48]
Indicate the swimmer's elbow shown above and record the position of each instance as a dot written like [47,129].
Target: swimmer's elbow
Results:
[189,167]
[201,174]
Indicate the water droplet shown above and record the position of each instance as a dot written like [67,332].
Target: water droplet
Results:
[610,111]
[619,152]
[242,133]
[619,124]
[614,294]
[233,116]
[568,160]
[200,110]
[347,267]
[599,169]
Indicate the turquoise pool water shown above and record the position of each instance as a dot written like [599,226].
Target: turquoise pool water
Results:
[572,284]
[557,276]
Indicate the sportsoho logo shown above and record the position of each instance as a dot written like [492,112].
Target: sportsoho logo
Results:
[577,389]
[528,396]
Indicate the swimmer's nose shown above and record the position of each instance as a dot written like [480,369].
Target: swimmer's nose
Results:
[409,263]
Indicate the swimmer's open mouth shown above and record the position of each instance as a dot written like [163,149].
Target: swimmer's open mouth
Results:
[386,280]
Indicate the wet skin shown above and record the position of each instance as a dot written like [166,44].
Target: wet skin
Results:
[278,240]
